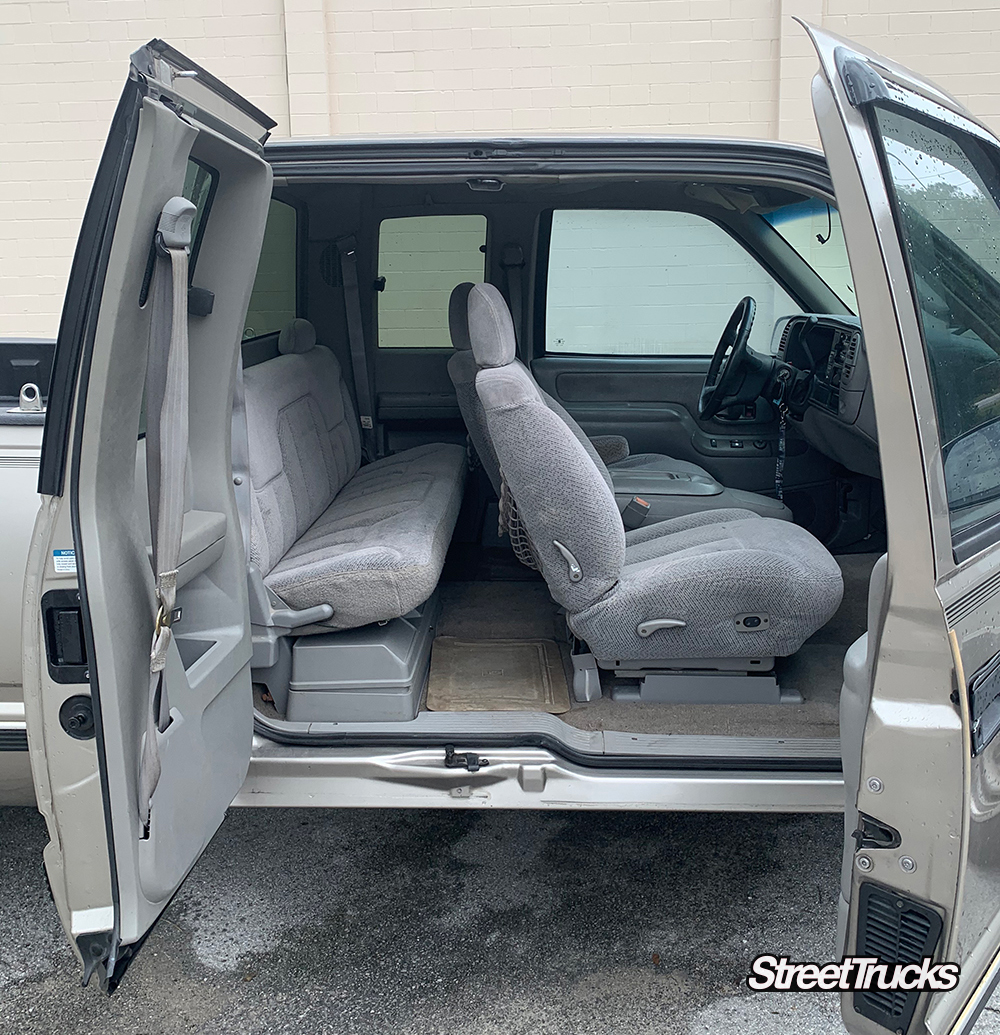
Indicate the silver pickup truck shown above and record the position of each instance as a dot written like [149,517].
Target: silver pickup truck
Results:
[25,366]
[734,405]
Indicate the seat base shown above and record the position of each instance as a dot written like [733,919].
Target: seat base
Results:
[707,688]
[683,681]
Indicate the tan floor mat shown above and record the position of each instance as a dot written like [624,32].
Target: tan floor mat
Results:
[497,676]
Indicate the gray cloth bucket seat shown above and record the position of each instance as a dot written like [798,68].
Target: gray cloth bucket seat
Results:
[677,589]
[610,453]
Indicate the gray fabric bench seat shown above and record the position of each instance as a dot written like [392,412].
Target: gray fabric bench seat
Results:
[370,541]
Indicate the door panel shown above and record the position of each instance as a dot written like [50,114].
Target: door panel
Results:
[416,401]
[654,404]
[87,696]
[914,766]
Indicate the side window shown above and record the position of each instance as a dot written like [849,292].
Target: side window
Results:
[946,190]
[813,229]
[422,259]
[272,302]
[200,182]
[199,186]
[650,283]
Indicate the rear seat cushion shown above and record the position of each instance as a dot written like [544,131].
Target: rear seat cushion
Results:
[377,551]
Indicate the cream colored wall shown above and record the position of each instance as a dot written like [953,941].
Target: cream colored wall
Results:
[392,67]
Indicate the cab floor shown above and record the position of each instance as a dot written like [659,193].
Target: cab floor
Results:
[484,610]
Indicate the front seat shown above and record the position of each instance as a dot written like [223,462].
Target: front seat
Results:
[672,487]
[678,589]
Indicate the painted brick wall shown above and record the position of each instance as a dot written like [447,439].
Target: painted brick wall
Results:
[390,67]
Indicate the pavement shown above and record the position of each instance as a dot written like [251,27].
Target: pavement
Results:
[465,923]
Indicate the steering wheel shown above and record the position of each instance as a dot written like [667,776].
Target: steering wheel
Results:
[726,372]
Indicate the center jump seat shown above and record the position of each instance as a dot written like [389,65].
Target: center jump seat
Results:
[370,540]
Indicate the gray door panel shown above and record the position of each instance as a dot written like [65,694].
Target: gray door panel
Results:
[415,398]
[653,402]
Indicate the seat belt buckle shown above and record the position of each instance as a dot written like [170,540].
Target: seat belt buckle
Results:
[635,512]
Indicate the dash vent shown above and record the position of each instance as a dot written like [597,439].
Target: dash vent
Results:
[851,356]
[783,341]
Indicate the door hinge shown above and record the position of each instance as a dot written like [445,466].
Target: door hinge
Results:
[873,833]
[467,760]
[95,949]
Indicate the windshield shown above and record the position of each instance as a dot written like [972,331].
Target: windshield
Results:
[813,229]
[945,187]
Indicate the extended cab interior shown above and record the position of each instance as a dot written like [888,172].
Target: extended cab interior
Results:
[488,490]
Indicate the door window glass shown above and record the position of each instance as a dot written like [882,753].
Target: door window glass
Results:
[273,299]
[422,259]
[649,283]
[946,187]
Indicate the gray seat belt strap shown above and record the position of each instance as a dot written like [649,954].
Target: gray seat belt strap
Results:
[348,250]
[167,387]
[512,264]
[241,454]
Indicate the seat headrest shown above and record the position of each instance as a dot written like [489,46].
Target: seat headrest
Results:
[458,317]
[490,327]
[297,336]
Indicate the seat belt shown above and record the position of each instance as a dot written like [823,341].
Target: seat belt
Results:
[348,250]
[512,262]
[167,388]
[241,454]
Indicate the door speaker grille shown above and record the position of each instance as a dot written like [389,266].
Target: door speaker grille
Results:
[895,929]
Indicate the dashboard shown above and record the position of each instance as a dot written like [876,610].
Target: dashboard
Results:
[830,396]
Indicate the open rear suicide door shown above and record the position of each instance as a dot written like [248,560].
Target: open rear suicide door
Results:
[136,631]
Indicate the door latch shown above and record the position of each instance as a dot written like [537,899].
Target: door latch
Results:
[873,833]
[65,644]
[467,760]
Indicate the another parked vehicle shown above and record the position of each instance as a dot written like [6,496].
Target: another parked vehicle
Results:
[273,574]
[25,364]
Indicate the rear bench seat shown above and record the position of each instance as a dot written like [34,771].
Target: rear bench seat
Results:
[369,541]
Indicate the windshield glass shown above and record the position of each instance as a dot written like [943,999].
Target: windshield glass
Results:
[813,229]
[946,188]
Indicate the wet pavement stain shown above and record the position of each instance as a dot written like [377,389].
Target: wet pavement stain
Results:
[420,922]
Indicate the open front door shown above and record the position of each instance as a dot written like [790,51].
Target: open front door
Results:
[135,763]
[918,184]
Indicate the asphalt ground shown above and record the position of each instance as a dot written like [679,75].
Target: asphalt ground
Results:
[451,922]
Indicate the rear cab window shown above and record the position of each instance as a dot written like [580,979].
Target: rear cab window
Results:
[422,258]
[650,283]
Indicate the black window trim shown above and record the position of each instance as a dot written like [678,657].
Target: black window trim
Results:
[81,308]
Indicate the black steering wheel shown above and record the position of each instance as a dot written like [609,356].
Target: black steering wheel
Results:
[726,371]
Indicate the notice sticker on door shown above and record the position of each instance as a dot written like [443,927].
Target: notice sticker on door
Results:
[64,562]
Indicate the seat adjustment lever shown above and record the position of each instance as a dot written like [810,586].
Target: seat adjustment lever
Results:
[286,618]
[648,628]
